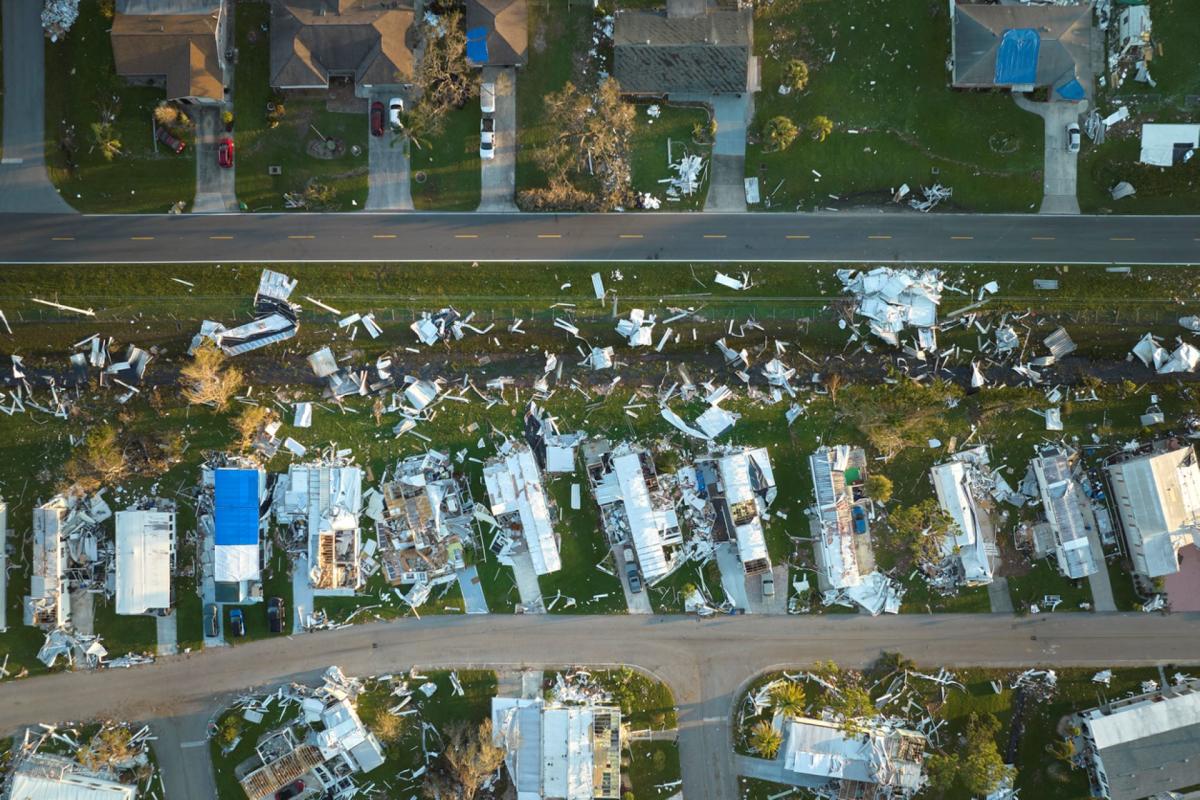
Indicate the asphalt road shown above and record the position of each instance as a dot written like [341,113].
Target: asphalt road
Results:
[707,663]
[829,237]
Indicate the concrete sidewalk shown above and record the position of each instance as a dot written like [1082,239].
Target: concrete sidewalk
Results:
[24,185]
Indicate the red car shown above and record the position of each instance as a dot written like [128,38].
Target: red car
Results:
[377,118]
[293,789]
[225,153]
[170,141]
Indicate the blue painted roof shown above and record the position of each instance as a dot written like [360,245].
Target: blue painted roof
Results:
[1071,90]
[477,45]
[1017,58]
[235,496]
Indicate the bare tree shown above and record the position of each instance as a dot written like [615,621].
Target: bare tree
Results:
[443,77]
[205,382]
[469,759]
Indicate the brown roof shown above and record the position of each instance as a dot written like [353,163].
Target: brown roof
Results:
[706,54]
[507,24]
[182,48]
[313,39]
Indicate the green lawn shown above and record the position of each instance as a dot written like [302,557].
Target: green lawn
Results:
[648,151]
[1176,71]
[877,69]
[305,120]
[652,764]
[80,79]
[583,546]
[445,170]
[123,633]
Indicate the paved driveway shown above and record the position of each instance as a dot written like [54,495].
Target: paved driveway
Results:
[24,185]
[498,175]
[388,187]
[214,184]
[1059,166]
[727,173]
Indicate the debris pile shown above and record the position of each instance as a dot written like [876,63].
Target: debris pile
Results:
[275,319]
[444,325]
[893,300]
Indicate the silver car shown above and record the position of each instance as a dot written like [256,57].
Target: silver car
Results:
[487,137]
[487,98]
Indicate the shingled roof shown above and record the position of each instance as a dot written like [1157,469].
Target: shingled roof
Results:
[989,40]
[181,48]
[705,54]
[312,40]
[507,26]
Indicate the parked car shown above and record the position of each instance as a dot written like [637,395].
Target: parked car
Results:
[487,137]
[275,614]
[768,584]
[377,118]
[293,789]
[212,621]
[237,622]
[1073,138]
[487,98]
[635,580]
[164,136]
[395,109]
[225,152]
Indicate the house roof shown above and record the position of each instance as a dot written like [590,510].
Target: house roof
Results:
[506,29]
[145,540]
[1007,45]
[514,486]
[314,39]
[658,54]
[1158,498]
[1148,744]
[824,751]
[181,47]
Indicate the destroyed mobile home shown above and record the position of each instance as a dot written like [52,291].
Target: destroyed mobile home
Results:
[275,319]
[424,518]
[320,740]
[92,771]
[969,552]
[319,504]
[840,522]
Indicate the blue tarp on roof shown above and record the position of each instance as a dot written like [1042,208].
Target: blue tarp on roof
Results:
[235,496]
[1071,90]
[477,51]
[1017,58]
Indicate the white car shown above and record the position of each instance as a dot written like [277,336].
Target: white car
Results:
[1073,138]
[487,137]
[487,98]
[395,109]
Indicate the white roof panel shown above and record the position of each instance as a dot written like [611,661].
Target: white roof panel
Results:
[145,542]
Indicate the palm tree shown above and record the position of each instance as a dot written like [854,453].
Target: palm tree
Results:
[106,139]
[765,740]
[789,698]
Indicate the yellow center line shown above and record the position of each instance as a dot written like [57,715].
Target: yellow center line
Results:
[630,235]
[714,236]
[879,237]
[302,236]
[141,238]
[962,238]
[1042,238]
[549,235]
[221,237]
[63,238]
[466,236]
[1121,239]
[797,236]
[384,236]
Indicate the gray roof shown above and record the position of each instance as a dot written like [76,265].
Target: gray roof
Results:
[1064,31]
[708,54]
[1149,744]
[168,6]
[507,23]
[312,39]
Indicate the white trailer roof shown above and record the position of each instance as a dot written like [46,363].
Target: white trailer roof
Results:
[145,542]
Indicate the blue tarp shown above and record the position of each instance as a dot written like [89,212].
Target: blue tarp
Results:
[1017,58]
[1071,90]
[235,496]
[477,51]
